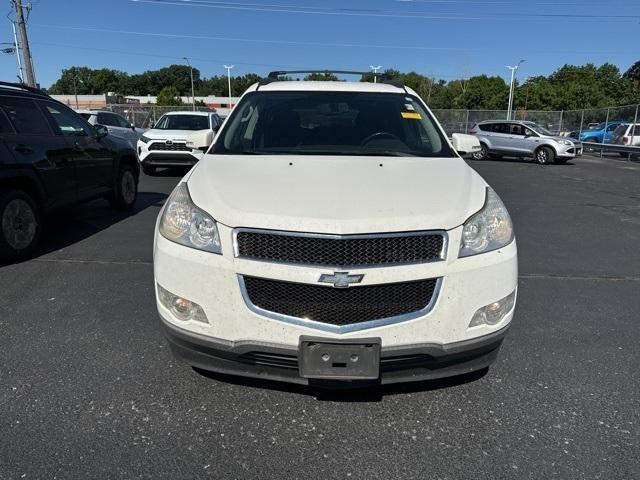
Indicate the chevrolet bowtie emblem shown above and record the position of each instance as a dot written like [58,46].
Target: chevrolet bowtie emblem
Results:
[340,279]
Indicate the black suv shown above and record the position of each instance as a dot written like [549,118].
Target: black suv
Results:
[50,157]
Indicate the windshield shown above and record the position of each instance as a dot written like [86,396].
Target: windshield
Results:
[539,129]
[332,123]
[182,122]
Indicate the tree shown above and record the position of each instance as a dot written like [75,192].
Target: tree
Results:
[329,77]
[169,96]
[89,82]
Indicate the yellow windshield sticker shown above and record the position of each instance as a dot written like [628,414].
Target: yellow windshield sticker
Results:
[411,115]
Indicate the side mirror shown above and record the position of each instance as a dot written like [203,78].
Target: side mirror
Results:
[200,140]
[101,131]
[465,144]
[133,127]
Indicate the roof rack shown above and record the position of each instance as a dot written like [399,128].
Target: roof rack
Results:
[22,86]
[383,76]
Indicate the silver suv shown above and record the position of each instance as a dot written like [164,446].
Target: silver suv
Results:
[510,138]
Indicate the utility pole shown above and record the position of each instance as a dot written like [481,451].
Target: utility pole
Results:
[193,94]
[24,44]
[229,67]
[512,88]
[375,71]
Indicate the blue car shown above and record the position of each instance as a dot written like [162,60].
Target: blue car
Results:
[597,134]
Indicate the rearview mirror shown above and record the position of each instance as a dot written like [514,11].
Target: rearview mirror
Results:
[101,131]
[465,144]
[200,140]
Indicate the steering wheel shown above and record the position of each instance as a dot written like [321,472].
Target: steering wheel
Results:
[379,135]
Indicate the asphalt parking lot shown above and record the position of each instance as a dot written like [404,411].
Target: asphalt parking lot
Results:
[89,389]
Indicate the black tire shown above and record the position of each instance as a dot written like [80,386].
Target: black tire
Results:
[125,189]
[482,154]
[149,170]
[20,224]
[495,156]
[545,155]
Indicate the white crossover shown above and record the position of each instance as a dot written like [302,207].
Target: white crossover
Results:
[333,235]
[165,145]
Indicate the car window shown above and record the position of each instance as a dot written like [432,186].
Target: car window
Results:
[517,129]
[25,116]
[183,122]
[5,126]
[499,128]
[121,121]
[611,127]
[107,119]
[67,121]
[485,127]
[86,116]
[338,123]
[636,131]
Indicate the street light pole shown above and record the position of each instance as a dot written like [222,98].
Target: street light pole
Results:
[193,94]
[512,87]
[375,71]
[229,67]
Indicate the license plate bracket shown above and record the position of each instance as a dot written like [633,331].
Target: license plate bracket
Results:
[336,359]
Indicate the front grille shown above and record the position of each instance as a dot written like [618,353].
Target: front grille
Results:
[339,306]
[345,251]
[169,147]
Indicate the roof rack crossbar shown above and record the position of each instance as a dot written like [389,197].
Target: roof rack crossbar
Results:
[278,73]
[382,76]
[21,86]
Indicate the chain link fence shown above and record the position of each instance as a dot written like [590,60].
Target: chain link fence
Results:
[145,116]
[569,122]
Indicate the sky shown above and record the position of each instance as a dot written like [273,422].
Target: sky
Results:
[445,39]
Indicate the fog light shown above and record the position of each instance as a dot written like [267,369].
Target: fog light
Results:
[181,308]
[493,313]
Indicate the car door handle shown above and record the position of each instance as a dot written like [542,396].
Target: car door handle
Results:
[20,148]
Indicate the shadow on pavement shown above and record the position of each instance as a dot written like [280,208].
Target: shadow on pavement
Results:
[68,226]
[366,394]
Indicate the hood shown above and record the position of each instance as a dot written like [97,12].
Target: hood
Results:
[337,194]
[175,135]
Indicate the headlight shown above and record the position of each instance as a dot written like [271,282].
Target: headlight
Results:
[487,230]
[562,142]
[144,139]
[184,223]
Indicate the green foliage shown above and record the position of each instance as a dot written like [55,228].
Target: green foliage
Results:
[169,97]
[329,77]
[89,82]
[568,88]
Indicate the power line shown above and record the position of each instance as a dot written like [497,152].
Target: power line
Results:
[308,44]
[283,8]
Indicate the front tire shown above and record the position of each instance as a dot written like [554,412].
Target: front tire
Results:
[545,155]
[20,224]
[482,154]
[125,189]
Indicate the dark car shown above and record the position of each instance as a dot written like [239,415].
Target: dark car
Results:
[51,157]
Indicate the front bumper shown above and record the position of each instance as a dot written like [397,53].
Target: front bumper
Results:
[214,282]
[410,363]
[570,151]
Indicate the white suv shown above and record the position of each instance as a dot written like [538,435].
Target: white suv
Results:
[333,235]
[165,145]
